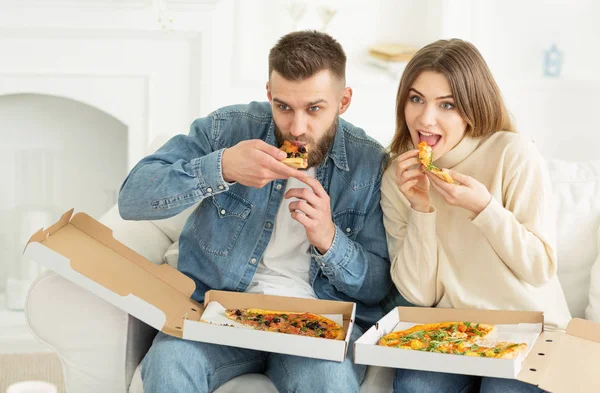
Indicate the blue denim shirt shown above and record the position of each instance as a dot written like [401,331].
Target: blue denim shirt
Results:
[225,237]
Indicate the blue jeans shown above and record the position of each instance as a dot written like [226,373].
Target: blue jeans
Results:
[409,381]
[176,365]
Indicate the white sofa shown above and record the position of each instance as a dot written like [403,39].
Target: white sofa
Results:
[100,346]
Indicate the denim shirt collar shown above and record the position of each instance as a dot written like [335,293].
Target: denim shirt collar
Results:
[270,138]
[337,150]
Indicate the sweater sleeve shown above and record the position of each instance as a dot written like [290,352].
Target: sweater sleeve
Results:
[412,245]
[522,227]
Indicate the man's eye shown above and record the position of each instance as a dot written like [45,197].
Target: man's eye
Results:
[447,105]
[283,107]
[314,109]
[416,99]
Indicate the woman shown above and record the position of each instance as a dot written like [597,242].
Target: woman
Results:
[487,241]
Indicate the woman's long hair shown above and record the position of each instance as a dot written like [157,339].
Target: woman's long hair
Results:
[475,91]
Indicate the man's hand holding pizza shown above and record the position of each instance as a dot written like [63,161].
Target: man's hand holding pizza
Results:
[313,211]
[254,163]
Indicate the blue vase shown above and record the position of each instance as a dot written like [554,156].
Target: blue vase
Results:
[553,62]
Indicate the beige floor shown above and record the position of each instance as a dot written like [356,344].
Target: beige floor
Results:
[25,367]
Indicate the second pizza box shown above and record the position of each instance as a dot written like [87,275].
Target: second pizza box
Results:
[85,252]
[556,362]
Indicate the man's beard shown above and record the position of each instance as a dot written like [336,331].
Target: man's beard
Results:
[317,149]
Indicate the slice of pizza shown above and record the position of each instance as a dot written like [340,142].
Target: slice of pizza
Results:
[458,338]
[297,156]
[498,350]
[302,324]
[426,158]
[420,336]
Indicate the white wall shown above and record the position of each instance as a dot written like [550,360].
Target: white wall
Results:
[164,64]
[103,43]
[513,36]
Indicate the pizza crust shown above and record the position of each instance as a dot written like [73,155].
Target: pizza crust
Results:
[512,352]
[297,162]
[442,174]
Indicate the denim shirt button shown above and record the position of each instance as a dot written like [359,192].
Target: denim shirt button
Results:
[221,188]
[253,261]
[278,187]
[209,189]
[268,225]
[223,212]
[348,230]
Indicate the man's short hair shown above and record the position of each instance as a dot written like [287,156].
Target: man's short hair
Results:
[299,55]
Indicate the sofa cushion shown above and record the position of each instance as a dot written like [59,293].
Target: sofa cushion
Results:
[141,236]
[576,188]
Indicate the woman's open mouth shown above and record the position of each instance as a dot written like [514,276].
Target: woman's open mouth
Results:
[429,137]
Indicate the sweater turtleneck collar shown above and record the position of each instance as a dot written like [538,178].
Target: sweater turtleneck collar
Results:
[460,152]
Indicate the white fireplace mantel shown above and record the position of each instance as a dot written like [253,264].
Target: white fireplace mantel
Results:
[153,76]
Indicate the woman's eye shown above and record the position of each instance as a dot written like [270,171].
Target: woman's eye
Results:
[314,109]
[416,99]
[447,105]
[283,107]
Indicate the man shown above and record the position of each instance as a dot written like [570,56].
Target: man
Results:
[264,227]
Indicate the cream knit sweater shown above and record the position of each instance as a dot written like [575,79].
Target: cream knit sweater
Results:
[502,259]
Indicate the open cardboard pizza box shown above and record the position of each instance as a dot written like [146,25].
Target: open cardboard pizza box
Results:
[557,362]
[85,252]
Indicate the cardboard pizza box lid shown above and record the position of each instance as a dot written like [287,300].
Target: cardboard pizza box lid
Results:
[85,252]
[565,362]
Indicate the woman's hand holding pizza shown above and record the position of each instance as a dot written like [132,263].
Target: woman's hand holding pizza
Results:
[412,182]
[254,163]
[313,211]
[469,194]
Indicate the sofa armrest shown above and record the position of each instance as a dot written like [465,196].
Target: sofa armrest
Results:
[99,345]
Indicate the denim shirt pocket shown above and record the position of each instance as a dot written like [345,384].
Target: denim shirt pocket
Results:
[350,221]
[219,221]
